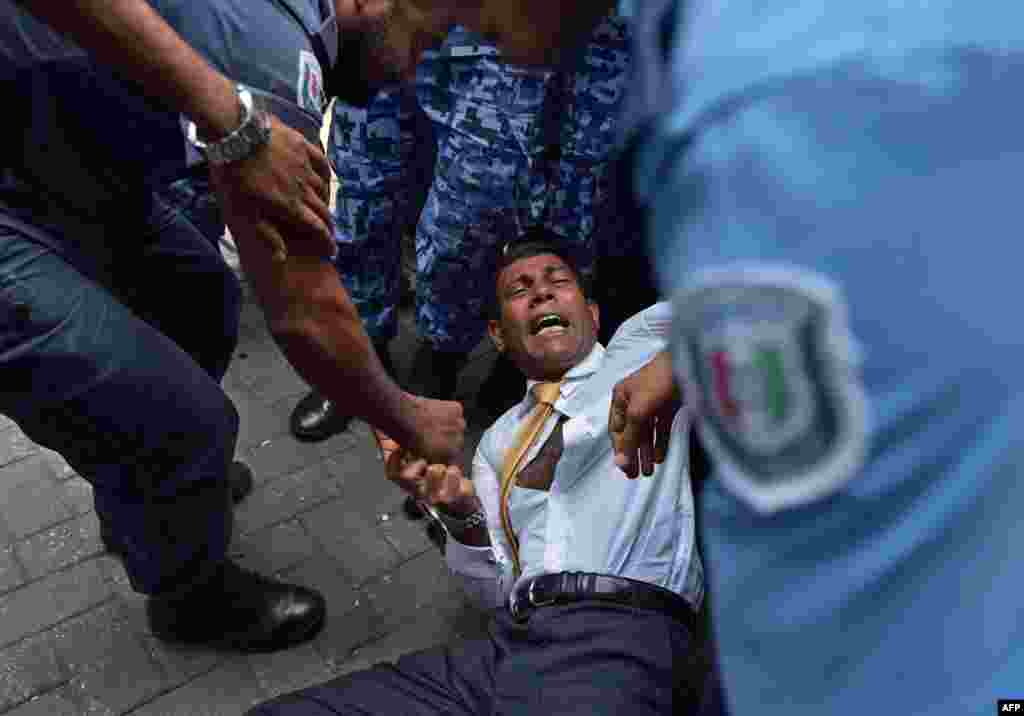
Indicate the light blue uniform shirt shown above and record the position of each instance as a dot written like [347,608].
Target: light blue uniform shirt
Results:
[835,204]
[592,519]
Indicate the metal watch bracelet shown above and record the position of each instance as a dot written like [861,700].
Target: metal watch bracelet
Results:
[459,525]
[252,132]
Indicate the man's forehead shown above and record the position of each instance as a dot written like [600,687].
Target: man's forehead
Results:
[532,265]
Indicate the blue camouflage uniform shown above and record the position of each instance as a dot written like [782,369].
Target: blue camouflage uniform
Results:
[117,315]
[482,139]
[833,194]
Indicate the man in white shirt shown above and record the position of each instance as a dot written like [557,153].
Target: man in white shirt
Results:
[604,605]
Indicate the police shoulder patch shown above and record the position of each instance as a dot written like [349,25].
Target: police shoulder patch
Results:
[310,90]
[782,410]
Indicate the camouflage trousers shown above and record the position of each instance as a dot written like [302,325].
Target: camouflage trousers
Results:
[474,154]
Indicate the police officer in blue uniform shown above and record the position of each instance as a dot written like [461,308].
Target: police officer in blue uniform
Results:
[109,350]
[829,195]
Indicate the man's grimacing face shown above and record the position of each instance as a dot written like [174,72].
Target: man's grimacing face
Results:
[547,326]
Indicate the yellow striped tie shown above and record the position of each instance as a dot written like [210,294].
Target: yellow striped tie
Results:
[546,395]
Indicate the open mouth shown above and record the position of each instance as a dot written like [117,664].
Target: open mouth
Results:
[548,323]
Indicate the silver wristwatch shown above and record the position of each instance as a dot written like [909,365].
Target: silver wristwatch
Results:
[252,133]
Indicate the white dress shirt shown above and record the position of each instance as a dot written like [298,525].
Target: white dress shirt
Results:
[592,519]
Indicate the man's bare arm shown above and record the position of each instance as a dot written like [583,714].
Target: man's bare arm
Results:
[313,320]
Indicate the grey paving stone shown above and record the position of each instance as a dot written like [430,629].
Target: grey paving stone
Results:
[31,507]
[360,474]
[229,690]
[23,472]
[281,382]
[99,635]
[29,668]
[39,605]
[78,496]
[60,546]
[258,421]
[286,671]
[427,629]
[180,663]
[340,443]
[11,573]
[410,589]
[51,704]
[351,538]
[285,497]
[408,537]
[14,446]
[277,457]
[275,548]
[258,364]
[120,683]
[112,670]
[114,574]
[252,317]
[76,589]
[347,632]
[5,422]
[58,467]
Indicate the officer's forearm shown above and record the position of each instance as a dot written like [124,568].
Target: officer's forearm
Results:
[313,320]
[140,45]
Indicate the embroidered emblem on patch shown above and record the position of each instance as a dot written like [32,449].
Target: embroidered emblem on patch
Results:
[782,409]
[311,83]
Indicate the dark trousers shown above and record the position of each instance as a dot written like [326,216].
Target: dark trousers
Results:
[116,365]
[584,659]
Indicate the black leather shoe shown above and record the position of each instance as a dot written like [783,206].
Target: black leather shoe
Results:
[239,610]
[316,418]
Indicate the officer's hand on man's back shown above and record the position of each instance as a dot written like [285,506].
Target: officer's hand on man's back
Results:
[280,193]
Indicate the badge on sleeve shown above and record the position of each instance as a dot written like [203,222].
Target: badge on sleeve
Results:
[311,83]
[782,410]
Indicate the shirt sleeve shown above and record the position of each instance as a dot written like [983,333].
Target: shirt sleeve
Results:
[482,571]
[645,333]
[657,320]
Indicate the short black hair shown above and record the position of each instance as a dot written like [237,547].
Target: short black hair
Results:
[537,243]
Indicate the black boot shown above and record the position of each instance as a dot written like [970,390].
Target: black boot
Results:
[434,373]
[241,610]
[317,418]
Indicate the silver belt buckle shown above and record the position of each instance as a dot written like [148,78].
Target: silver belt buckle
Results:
[516,603]
[533,599]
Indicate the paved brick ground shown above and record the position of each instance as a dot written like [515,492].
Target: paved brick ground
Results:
[73,637]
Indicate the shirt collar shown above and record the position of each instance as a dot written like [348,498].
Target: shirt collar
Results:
[575,377]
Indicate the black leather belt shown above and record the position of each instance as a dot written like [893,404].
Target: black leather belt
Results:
[567,587]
